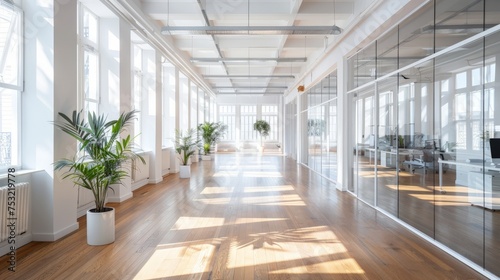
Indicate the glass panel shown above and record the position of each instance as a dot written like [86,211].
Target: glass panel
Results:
[183,102]
[169,101]
[194,106]
[227,115]
[415,125]
[304,150]
[365,152]
[332,135]
[90,27]
[416,36]
[8,128]
[457,21]
[91,74]
[364,69]
[387,54]
[10,46]
[458,219]
[492,126]
[390,147]
[311,133]
[492,10]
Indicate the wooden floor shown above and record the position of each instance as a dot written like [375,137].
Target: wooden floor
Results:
[242,217]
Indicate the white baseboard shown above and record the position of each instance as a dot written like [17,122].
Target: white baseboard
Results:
[50,237]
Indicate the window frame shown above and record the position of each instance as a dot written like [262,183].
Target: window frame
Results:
[18,88]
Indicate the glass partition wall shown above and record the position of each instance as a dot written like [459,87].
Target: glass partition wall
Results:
[424,101]
[318,118]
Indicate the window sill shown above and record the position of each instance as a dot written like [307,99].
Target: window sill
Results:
[18,173]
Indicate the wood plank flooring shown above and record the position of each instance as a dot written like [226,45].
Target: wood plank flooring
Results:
[242,217]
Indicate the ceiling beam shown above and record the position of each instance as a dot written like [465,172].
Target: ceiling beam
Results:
[249,76]
[246,59]
[251,30]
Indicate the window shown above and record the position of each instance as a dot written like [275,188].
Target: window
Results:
[248,118]
[194,106]
[11,80]
[89,35]
[137,93]
[169,114]
[270,114]
[227,115]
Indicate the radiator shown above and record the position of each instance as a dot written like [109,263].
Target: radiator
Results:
[165,160]
[22,210]
[140,171]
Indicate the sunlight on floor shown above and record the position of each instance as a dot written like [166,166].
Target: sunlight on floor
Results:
[216,190]
[197,222]
[410,188]
[226,174]
[261,174]
[343,266]
[268,188]
[281,200]
[179,259]
[214,201]
[444,200]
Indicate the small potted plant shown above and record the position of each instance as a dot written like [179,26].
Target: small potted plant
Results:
[98,165]
[185,145]
[263,128]
[211,133]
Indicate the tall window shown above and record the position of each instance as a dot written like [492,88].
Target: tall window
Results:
[270,114]
[471,132]
[89,38]
[227,115]
[169,113]
[248,118]
[194,106]
[11,81]
[137,94]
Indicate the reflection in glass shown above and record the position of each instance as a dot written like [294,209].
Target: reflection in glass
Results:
[365,154]
[389,147]
[415,125]
[459,225]
[491,129]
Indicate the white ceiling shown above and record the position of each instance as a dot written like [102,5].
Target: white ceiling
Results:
[236,76]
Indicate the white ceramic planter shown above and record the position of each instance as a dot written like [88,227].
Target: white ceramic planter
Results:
[206,157]
[184,171]
[101,227]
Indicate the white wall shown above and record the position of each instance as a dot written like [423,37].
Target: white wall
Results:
[51,87]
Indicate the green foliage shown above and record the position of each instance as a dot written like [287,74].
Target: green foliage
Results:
[185,144]
[211,133]
[263,128]
[101,152]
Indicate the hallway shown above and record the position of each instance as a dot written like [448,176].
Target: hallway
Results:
[242,216]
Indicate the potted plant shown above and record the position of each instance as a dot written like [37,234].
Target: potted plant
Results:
[263,128]
[211,133]
[98,164]
[185,145]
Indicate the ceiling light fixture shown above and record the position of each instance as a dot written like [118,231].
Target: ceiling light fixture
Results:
[250,93]
[245,59]
[250,87]
[335,29]
[251,30]
[249,77]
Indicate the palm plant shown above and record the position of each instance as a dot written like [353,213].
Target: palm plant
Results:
[263,128]
[185,144]
[101,152]
[211,133]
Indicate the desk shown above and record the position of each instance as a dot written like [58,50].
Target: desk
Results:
[400,156]
[477,182]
